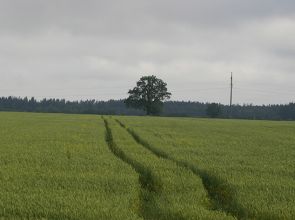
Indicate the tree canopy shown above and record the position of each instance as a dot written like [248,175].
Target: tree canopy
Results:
[148,95]
[213,110]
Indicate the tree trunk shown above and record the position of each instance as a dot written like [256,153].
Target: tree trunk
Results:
[149,108]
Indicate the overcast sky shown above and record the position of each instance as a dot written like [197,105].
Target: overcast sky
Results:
[92,49]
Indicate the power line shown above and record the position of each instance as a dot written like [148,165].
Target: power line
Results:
[266,91]
[231,93]
[231,89]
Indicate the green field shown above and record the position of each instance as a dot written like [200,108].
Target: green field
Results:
[55,166]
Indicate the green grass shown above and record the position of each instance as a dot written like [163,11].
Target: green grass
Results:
[247,166]
[55,166]
[59,167]
[175,192]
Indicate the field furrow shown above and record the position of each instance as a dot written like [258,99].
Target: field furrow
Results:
[181,194]
[151,186]
[220,194]
[55,166]
[247,167]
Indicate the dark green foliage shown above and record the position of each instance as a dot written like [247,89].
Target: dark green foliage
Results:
[213,110]
[111,107]
[148,95]
[170,108]
[287,112]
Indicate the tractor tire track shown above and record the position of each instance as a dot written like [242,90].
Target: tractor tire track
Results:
[220,194]
[151,186]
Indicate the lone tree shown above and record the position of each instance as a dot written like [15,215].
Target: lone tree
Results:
[213,110]
[148,95]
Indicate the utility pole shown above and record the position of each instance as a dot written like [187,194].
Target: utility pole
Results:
[231,93]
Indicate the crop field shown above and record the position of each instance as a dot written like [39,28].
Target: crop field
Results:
[60,167]
[56,166]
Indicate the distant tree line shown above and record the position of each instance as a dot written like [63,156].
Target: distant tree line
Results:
[170,108]
[116,107]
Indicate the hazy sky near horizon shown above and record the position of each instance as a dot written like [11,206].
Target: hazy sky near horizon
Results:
[94,49]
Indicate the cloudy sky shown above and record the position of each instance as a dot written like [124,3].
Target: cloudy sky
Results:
[92,49]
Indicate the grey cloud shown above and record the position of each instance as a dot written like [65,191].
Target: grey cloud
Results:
[64,47]
[131,15]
